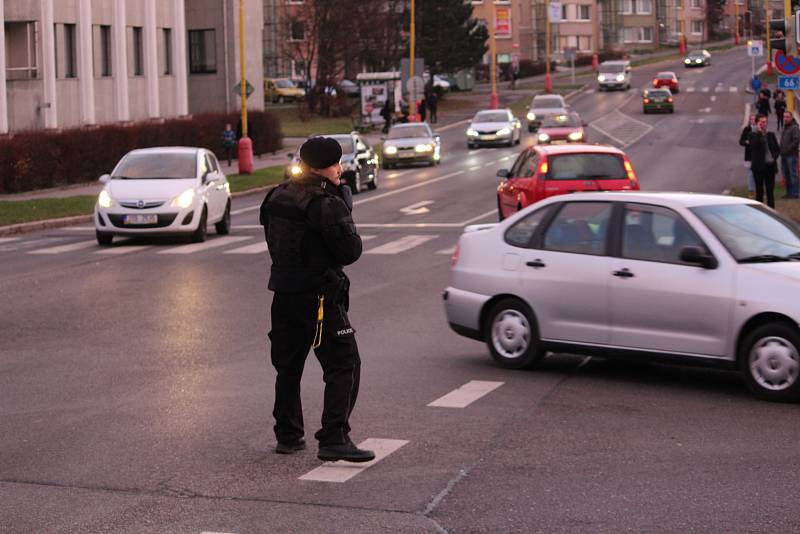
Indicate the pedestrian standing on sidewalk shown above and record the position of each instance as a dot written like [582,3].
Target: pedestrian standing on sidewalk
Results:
[311,235]
[764,152]
[386,112]
[790,145]
[229,142]
[433,103]
[422,108]
[762,104]
[745,142]
[780,106]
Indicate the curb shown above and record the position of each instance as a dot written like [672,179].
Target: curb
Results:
[47,224]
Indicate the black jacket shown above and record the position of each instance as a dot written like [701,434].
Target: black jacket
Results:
[758,150]
[310,234]
[743,141]
[763,107]
[790,139]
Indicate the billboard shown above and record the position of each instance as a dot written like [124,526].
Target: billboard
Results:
[502,22]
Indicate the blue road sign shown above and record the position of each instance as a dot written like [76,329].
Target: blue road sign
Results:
[791,83]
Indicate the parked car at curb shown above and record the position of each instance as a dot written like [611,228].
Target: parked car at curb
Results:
[280,90]
[359,162]
[494,127]
[163,191]
[411,143]
[543,171]
[670,277]
[545,106]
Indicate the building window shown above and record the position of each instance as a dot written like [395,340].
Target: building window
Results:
[138,51]
[297,31]
[644,7]
[638,35]
[564,12]
[697,27]
[627,7]
[696,3]
[167,51]
[584,12]
[105,51]
[21,51]
[202,52]
[66,51]
[585,43]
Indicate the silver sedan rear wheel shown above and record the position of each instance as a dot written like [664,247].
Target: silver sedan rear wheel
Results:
[512,336]
[770,362]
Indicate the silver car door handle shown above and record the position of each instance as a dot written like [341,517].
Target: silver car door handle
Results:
[624,273]
[536,264]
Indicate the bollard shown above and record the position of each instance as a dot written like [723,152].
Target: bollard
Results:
[548,83]
[595,62]
[769,68]
[245,155]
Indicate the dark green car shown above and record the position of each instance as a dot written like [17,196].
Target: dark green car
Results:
[657,100]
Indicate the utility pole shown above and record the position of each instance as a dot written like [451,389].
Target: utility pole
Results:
[736,20]
[245,143]
[548,82]
[769,45]
[412,105]
[493,100]
[791,46]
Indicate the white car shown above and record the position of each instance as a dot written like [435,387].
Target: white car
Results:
[163,191]
[492,127]
[675,277]
[614,75]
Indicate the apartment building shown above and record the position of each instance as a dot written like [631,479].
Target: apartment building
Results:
[513,27]
[687,18]
[72,63]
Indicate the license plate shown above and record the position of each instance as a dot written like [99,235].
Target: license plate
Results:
[141,219]
[407,154]
[488,137]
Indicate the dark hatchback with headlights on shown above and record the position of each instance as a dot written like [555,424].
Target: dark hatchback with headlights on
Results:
[359,162]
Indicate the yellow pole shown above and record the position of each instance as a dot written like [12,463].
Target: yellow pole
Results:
[547,42]
[769,45]
[493,103]
[242,68]
[412,106]
[791,48]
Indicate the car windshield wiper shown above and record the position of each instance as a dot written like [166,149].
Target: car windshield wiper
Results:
[765,258]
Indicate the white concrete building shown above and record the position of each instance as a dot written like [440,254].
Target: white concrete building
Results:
[72,63]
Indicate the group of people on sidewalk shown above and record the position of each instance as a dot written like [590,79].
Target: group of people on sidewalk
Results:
[427,108]
[763,151]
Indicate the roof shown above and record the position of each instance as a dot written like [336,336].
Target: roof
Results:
[552,150]
[167,150]
[665,198]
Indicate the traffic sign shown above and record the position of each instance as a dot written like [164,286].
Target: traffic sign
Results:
[555,12]
[755,48]
[237,89]
[415,85]
[791,83]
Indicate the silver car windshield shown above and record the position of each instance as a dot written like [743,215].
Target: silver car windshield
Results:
[157,166]
[346,142]
[548,102]
[491,116]
[408,131]
[752,233]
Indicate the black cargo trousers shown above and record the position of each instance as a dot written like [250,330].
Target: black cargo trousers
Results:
[294,327]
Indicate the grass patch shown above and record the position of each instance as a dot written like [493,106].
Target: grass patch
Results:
[788,207]
[293,126]
[23,211]
[259,178]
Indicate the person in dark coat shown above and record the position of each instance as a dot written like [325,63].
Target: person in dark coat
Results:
[762,104]
[433,104]
[790,145]
[744,141]
[386,112]
[780,106]
[764,152]
[311,235]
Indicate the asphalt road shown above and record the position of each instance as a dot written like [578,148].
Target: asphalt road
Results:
[136,390]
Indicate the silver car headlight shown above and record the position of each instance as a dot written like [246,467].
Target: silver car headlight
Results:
[504,131]
[531,116]
[423,147]
[543,137]
[698,60]
[601,78]
[184,200]
[390,149]
[620,77]
[104,199]
[472,132]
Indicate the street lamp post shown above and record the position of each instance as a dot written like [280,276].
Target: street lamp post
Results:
[736,20]
[494,102]
[548,82]
[412,91]
[245,143]
[769,45]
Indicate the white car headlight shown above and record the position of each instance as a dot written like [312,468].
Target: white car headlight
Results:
[687,60]
[531,116]
[390,149]
[295,170]
[543,137]
[698,60]
[423,148]
[472,132]
[504,131]
[601,78]
[184,200]
[620,77]
[575,136]
[104,199]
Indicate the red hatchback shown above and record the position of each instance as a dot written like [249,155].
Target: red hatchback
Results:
[543,171]
[668,80]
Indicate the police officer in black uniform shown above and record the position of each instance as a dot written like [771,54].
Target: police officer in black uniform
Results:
[311,236]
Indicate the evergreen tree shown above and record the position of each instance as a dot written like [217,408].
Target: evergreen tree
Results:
[447,35]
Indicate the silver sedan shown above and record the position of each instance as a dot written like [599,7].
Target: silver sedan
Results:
[493,127]
[673,276]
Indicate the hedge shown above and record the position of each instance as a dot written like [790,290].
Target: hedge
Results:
[39,159]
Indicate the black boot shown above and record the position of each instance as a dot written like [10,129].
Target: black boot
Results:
[291,447]
[346,451]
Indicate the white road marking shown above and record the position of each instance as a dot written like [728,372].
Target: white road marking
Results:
[8,239]
[474,168]
[445,128]
[490,164]
[719,89]
[258,248]
[368,237]
[446,251]
[733,89]
[713,98]
[691,89]
[418,208]
[121,249]
[401,245]
[344,471]
[407,188]
[211,243]
[466,394]
[65,248]
[704,110]
[245,210]
[706,89]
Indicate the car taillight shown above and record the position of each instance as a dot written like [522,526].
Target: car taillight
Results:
[543,168]
[454,257]
[669,100]
[646,101]
[655,83]
[629,170]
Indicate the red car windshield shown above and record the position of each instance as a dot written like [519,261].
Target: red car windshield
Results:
[586,167]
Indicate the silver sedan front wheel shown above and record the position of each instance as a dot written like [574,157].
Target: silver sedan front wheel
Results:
[770,362]
[511,335]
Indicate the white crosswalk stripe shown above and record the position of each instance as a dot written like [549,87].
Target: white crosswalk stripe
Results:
[466,394]
[211,243]
[344,471]
[258,248]
[71,247]
[446,251]
[8,239]
[122,249]
[706,89]
[401,245]
[733,89]
[691,89]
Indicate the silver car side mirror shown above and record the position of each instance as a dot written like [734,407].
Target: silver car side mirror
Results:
[105,178]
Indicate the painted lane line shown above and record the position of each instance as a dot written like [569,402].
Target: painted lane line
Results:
[706,89]
[408,188]
[446,251]
[490,164]
[479,217]
[607,134]
[418,208]
[474,168]
[401,245]
[719,89]
[258,248]
[466,394]
[65,248]
[122,249]
[691,89]
[245,210]
[734,89]
[367,237]
[713,98]
[211,243]
[8,239]
[344,471]
[445,128]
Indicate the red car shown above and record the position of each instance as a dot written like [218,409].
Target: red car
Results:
[668,80]
[566,128]
[543,171]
